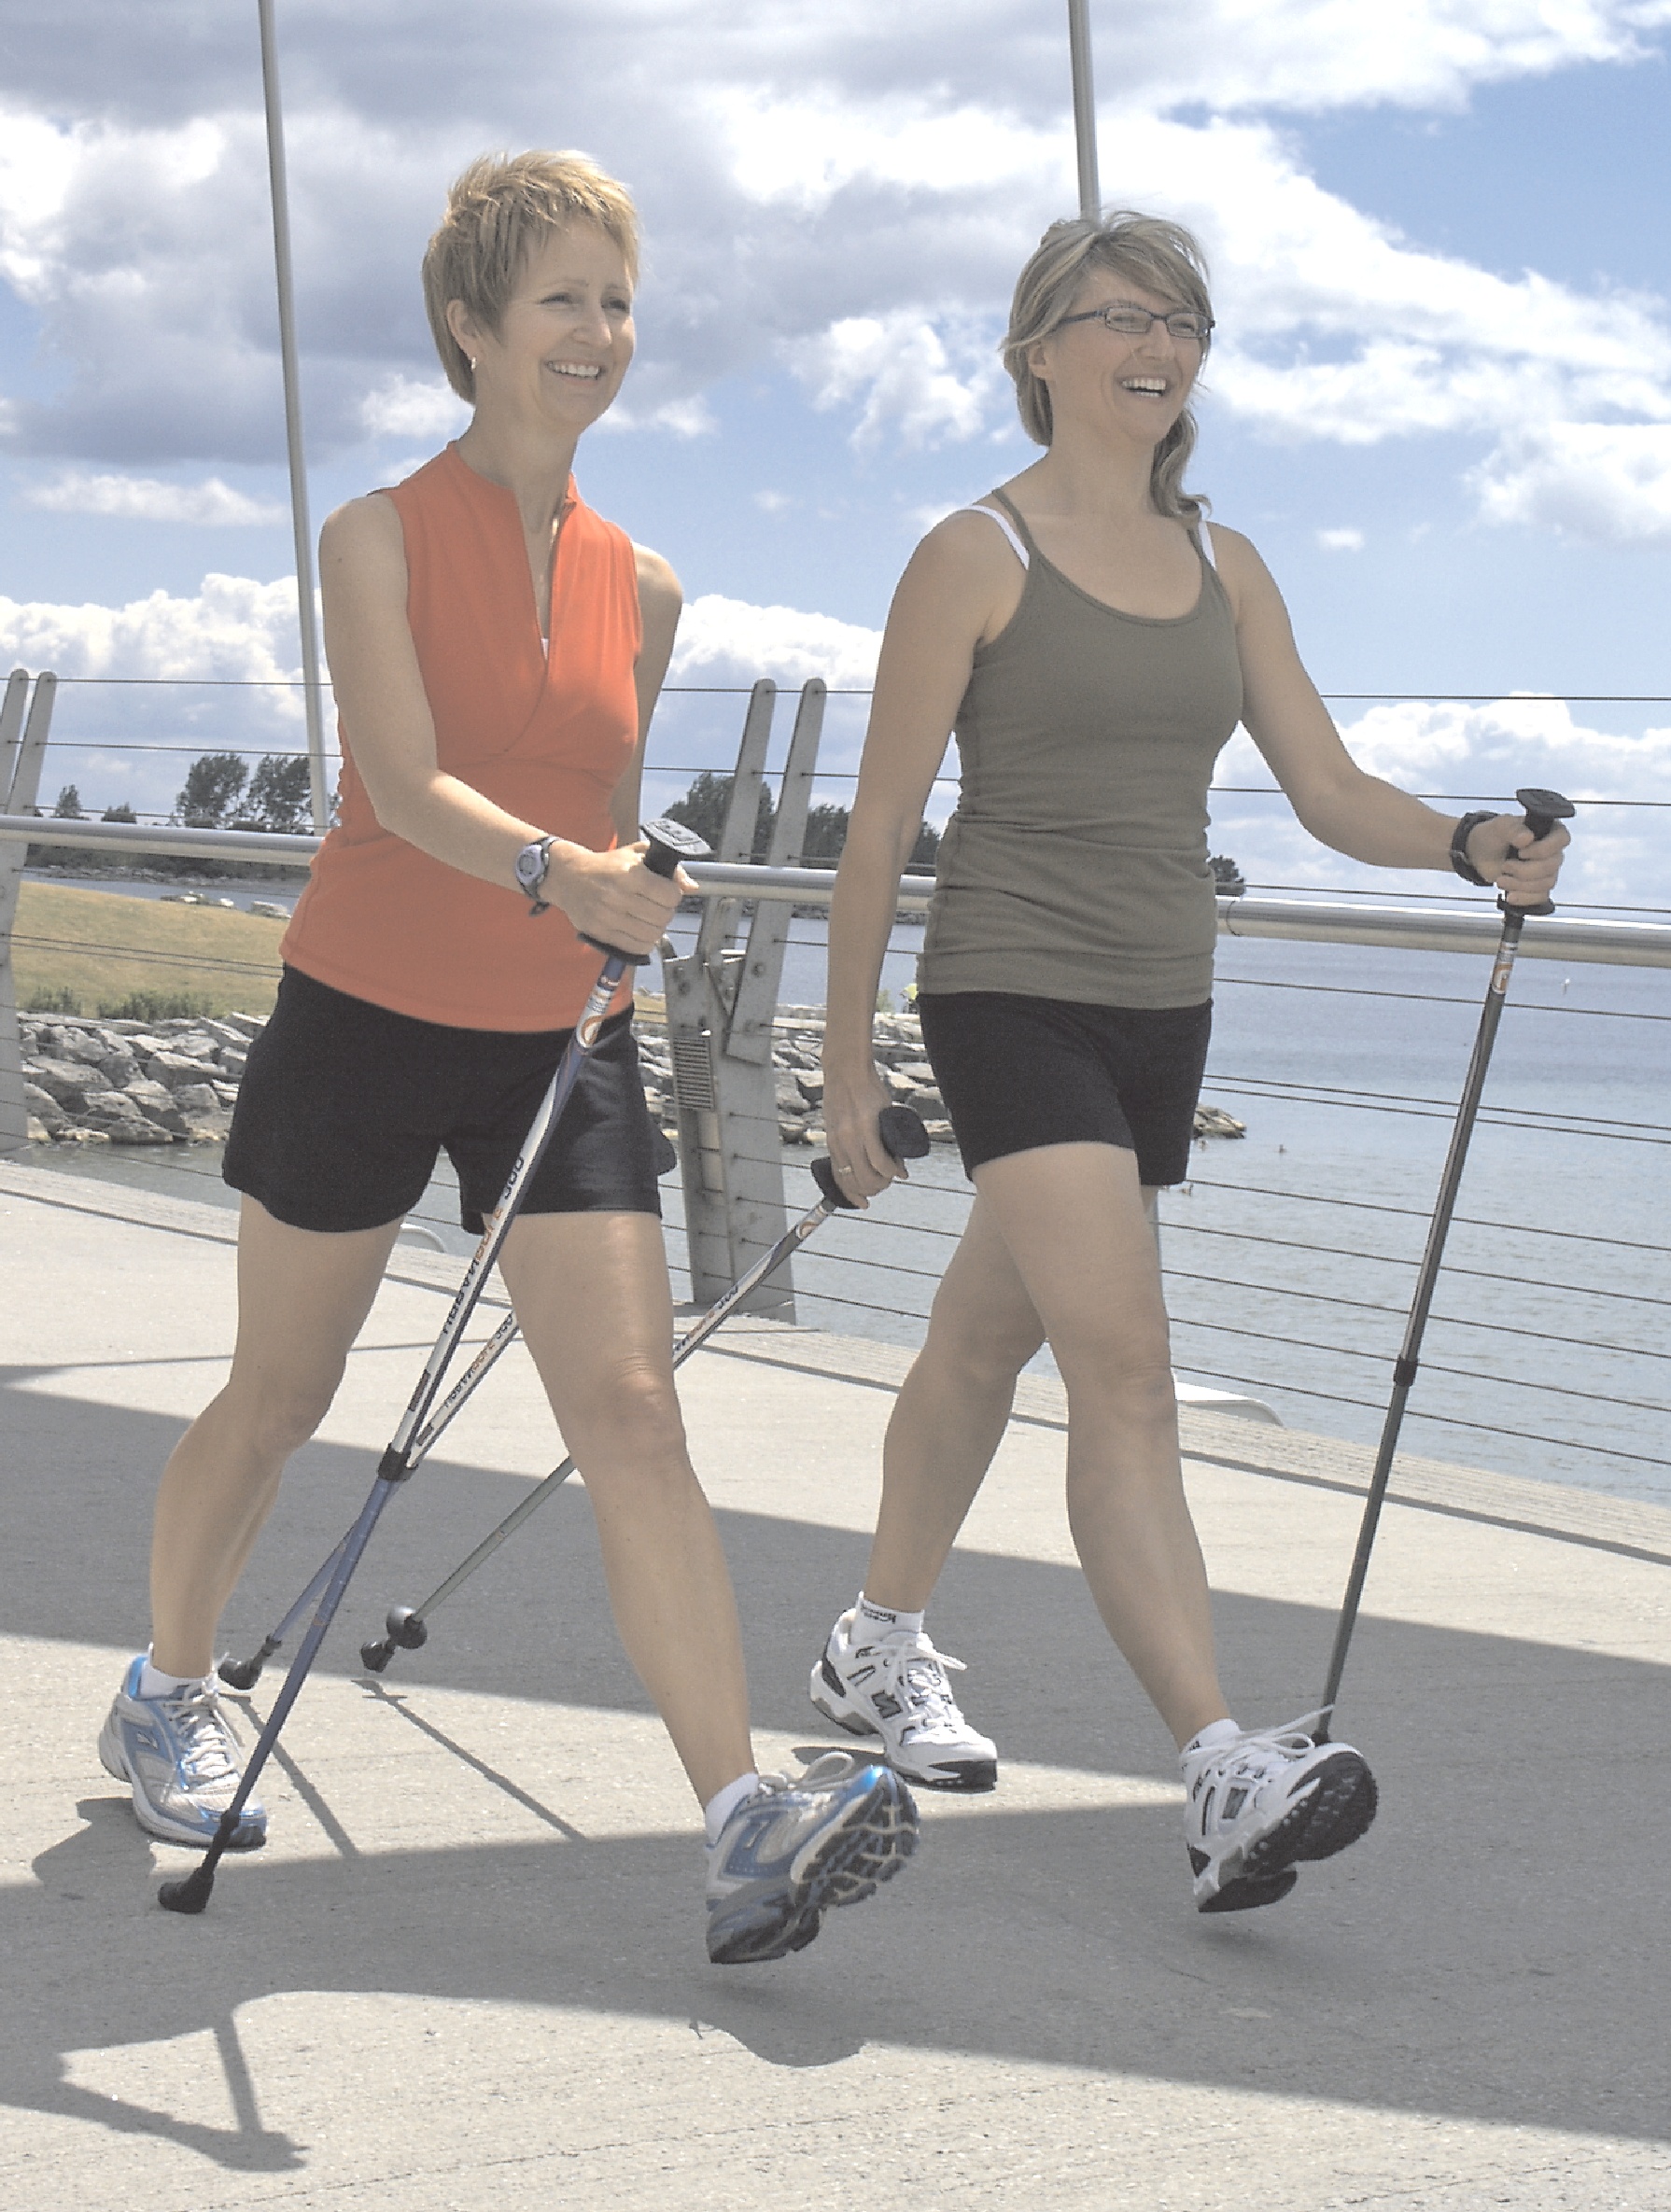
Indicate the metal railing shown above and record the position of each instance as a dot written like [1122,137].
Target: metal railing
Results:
[1253,1300]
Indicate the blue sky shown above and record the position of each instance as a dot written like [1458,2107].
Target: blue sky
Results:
[1440,404]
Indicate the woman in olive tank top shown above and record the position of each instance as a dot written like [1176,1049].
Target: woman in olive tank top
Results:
[1093,643]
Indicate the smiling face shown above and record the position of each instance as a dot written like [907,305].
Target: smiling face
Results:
[1134,387]
[565,339]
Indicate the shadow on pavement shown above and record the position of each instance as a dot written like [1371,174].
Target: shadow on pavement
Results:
[1482,1953]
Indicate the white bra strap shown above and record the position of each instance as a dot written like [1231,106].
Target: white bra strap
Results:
[1204,538]
[1004,523]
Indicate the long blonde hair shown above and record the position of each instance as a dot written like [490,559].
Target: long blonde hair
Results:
[1161,257]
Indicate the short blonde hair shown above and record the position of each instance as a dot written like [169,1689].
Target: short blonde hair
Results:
[498,212]
[1159,257]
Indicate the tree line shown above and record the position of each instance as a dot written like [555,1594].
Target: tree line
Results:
[704,806]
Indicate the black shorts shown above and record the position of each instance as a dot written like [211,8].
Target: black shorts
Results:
[1016,1072]
[344,1107]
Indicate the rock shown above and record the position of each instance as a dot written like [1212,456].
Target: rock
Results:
[1213,1121]
[44,1109]
[811,1088]
[272,910]
[67,1082]
[790,1101]
[924,1098]
[155,1102]
[226,1092]
[247,1024]
[86,1045]
[36,1130]
[118,1069]
[793,1133]
[176,1069]
[232,1059]
[939,1132]
[224,1034]
[198,1100]
[119,1117]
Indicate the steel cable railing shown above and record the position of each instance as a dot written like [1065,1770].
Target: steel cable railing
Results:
[905,1253]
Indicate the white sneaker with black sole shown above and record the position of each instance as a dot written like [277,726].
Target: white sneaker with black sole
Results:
[1264,1798]
[895,1686]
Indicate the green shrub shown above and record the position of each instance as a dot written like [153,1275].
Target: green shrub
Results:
[52,998]
[153,1006]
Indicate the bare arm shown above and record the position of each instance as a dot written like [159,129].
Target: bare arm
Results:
[956,583]
[1339,805]
[660,602]
[380,690]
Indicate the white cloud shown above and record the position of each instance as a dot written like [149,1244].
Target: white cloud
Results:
[413,407]
[899,367]
[1481,754]
[725,641]
[211,505]
[1343,540]
[1610,483]
[852,190]
[234,629]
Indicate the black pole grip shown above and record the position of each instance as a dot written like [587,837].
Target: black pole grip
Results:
[1543,810]
[670,843]
[901,1130]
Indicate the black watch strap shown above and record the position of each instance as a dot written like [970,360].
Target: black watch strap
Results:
[533,863]
[1459,837]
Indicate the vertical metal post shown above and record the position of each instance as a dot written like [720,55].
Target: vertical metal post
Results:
[312,696]
[19,786]
[721,1000]
[1085,109]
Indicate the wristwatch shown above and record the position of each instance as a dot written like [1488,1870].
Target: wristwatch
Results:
[1459,837]
[532,862]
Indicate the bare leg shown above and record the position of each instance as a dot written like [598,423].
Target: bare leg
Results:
[302,1298]
[949,1417]
[592,1298]
[1062,1234]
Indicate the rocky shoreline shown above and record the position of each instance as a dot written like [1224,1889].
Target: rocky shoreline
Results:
[99,1082]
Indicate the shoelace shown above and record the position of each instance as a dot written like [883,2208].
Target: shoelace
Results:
[918,1673]
[1267,1751]
[205,1738]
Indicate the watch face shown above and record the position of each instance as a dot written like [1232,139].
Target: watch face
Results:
[531,863]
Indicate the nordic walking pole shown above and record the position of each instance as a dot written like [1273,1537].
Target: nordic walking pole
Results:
[245,1673]
[668,843]
[1543,809]
[407,1627]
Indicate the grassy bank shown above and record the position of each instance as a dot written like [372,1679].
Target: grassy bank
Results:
[95,952]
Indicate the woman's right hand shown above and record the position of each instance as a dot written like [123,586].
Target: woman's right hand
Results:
[854,1098]
[611,897]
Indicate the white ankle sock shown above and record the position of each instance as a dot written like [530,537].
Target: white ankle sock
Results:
[1216,1731]
[154,1683]
[724,1802]
[885,1620]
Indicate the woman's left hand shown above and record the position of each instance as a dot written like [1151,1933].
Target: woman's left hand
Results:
[1523,867]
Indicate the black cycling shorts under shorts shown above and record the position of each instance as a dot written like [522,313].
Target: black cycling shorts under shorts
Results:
[1018,1073]
[344,1107]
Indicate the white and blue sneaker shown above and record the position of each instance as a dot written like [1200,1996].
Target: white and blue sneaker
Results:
[1259,1799]
[894,1684]
[795,1849]
[180,1756]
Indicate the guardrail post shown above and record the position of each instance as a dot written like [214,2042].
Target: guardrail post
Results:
[720,1000]
[22,743]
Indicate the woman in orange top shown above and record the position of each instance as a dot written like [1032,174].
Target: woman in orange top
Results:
[496,650]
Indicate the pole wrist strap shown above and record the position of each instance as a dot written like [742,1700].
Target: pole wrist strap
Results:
[1459,837]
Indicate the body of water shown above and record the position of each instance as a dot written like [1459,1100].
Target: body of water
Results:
[1291,1254]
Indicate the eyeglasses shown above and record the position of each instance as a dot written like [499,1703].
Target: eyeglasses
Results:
[1128,321]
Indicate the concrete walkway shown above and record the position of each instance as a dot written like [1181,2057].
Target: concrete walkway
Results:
[468,1972]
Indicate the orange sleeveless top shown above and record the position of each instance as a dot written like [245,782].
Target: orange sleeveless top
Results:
[545,733]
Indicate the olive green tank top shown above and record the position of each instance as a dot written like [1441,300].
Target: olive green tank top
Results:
[1075,863]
